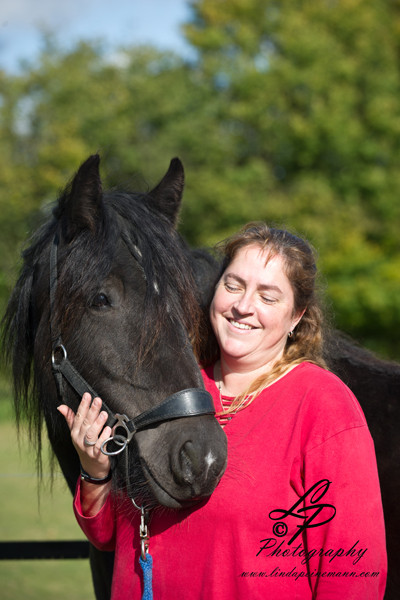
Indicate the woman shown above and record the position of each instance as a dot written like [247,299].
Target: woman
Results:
[298,512]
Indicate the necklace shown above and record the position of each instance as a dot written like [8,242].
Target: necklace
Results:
[226,414]
[224,403]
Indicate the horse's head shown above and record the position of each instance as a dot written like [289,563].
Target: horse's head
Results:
[125,306]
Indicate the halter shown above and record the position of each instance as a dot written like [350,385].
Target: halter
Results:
[186,403]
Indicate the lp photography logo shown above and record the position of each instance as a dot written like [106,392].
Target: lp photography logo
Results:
[309,512]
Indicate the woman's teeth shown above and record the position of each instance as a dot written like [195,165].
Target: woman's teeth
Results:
[240,325]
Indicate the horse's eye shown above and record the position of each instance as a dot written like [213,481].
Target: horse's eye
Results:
[100,301]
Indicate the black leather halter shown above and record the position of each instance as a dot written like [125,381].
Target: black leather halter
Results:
[186,403]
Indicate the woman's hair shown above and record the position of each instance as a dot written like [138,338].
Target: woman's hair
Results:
[305,344]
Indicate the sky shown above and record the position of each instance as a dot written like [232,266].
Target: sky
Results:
[118,22]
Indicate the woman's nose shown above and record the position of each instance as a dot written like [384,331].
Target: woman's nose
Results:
[244,304]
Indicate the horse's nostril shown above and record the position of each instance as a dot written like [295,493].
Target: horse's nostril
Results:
[190,462]
[195,469]
[188,466]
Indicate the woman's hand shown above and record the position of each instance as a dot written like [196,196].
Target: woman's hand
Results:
[87,435]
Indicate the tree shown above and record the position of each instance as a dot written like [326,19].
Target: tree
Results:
[310,98]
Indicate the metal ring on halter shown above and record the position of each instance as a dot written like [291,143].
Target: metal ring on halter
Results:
[53,354]
[120,440]
[123,439]
[143,507]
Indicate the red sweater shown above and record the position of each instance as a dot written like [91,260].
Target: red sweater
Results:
[297,514]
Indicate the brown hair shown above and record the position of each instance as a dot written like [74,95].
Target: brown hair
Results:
[300,268]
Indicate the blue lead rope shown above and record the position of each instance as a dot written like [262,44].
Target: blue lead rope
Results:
[147,568]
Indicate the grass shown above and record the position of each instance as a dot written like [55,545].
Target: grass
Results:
[27,513]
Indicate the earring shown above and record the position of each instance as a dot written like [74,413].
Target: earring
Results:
[290,334]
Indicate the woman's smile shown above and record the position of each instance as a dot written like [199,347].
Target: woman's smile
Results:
[242,326]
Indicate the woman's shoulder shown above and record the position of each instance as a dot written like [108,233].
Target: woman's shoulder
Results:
[325,397]
[312,376]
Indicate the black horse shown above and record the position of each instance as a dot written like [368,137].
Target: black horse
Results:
[376,384]
[97,282]
[123,298]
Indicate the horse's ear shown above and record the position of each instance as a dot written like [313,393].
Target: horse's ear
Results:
[80,206]
[166,197]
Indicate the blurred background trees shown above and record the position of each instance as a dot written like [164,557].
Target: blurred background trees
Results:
[290,113]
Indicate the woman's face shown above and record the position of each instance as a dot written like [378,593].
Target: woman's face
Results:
[252,311]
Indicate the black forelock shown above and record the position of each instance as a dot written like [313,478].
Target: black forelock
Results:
[165,262]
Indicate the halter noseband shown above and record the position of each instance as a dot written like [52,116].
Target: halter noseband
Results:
[186,403]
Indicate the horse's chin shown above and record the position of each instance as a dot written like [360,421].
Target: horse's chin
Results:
[163,498]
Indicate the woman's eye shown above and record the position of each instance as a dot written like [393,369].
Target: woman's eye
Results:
[231,288]
[268,300]
[100,301]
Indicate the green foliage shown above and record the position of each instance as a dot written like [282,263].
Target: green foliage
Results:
[311,91]
[290,115]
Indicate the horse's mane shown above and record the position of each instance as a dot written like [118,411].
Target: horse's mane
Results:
[163,257]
